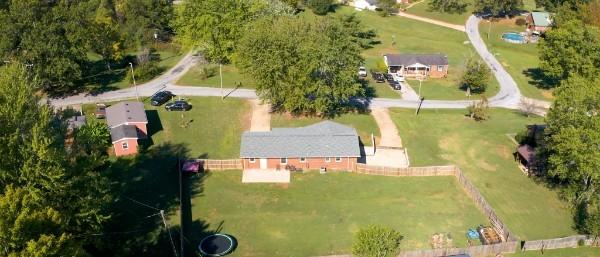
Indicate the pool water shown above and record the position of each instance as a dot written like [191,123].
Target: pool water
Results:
[513,37]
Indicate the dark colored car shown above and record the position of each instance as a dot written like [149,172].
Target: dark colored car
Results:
[161,98]
[100,112]
[389,77]
[378,77]
[178,106]
[396,85]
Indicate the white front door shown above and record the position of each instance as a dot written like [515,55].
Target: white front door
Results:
[263,163]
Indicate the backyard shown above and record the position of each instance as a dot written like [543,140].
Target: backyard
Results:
[363,123]
[484,151]
[319,214]
[520,60]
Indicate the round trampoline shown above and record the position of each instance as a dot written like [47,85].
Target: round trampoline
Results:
[216,245]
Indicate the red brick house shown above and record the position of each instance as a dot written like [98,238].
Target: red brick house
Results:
[538,22]
[417,65]
[327,144]
[128,123]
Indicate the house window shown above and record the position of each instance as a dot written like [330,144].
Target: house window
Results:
[302,159]
[327,159]
[338,159]
[125,145]
[283,161]
[252,160]
[440,68]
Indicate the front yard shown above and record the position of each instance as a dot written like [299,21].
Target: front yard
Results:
[319,214]
[484,152]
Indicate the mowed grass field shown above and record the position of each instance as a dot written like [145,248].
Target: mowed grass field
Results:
[519,60]
[211,129]
[319,214]
[568,252]
[364,124]
[398,35]
[484,151]
[422,9]
[231,78]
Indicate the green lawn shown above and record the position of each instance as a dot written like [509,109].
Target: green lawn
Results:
[103,80]
[319,214]
[207,134]
[568,252]
[518,59]
[214,126]
[440,89]
[485,153]
[231,78]
[363,123]
[421,9]
[418,37]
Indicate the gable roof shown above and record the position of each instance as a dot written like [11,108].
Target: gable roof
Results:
[122,132]
[125,112]
[323,139]
[541,19]
[410,59]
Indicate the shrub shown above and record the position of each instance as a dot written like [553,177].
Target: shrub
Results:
[476,76]
[320,7]
[145,72]
[479,110]
[380,66]
[376,241]
[206,71]
[520,22]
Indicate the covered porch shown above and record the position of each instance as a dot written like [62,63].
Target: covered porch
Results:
[413,71]
[266,176]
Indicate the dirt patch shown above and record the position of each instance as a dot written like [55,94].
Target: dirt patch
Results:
[507,21]
[503,151]
[548,94]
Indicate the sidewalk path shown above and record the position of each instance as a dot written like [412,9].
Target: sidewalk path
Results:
[389,133]
[261,116]
[432,21]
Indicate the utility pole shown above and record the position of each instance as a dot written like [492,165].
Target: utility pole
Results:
[137,95]
[489,28]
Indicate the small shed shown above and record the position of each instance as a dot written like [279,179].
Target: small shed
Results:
[526,155]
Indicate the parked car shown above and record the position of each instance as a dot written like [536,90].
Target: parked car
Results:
[161,98]
[178,106]
[398,77]
[378,77]
[362,71]
[389,77]
[396,85]
[100,112]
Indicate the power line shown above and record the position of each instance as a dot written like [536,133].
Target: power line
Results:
[142,204]
[162,214]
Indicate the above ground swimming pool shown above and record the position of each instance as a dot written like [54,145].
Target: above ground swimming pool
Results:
[513,37]
[216,245]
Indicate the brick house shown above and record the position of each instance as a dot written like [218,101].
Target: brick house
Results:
[538,22]
[327,144]
[128,123]
[416,65]
[372,4]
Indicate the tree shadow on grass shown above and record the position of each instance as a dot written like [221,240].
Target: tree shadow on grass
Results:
[141,187]
[539,79]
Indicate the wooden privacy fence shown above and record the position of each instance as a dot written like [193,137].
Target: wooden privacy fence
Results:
[473,251]
[405,172]
[219,165]
[555,243]
[484,206]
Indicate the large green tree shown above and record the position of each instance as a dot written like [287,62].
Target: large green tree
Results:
[570,49]
[572,143]
[498,7]
[301,66]
[49,193]
[476,76]
[448,6]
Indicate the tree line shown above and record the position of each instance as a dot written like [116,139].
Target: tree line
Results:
[53,38]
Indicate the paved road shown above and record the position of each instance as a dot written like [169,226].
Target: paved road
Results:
[508,96]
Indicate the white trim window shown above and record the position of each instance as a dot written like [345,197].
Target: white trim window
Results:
[440,68]
[125,145]
[283,160]
[338,159]
[302,159]
[327,159]
[252,160]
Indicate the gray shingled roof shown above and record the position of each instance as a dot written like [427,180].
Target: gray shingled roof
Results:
[125,112]
[324,139]
[410,59]
[123,131]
